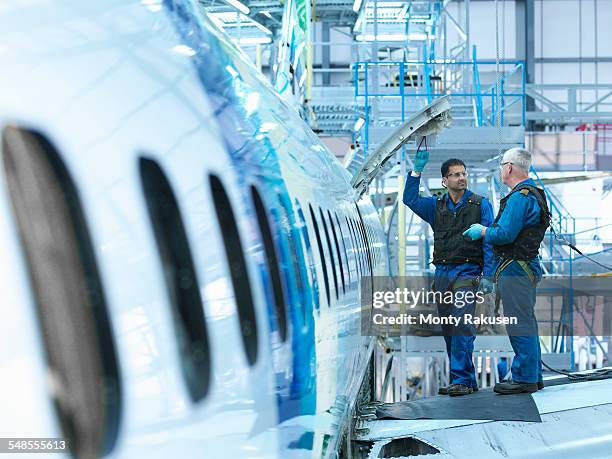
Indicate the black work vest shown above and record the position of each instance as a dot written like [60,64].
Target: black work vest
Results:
[527,244]
[450,246]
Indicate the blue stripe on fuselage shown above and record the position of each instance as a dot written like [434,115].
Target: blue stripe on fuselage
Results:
[256,160]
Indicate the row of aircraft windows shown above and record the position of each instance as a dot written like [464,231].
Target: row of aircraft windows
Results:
[347,235]
[343,239]
[336,238]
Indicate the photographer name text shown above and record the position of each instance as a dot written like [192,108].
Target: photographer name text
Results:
[434,319]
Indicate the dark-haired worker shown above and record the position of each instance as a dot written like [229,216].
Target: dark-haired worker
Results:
[459,262]
[515,236]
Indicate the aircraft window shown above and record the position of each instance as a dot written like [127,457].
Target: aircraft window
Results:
[371,242]
[332,259]
[376,246]
[321,253]
[365,239]
[376,255]
[354,244]
[272,263]
[306,238]
[348,263]
[363,243]
[67,292]
[370,253]
[378,252]
[360,246]
[368,249]
[340,262]
[180,278]
[238,268]
[357,251]
[287,222]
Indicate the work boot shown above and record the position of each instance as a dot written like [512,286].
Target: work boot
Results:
[444,390]
[513,387]
[540,385]
[459,389]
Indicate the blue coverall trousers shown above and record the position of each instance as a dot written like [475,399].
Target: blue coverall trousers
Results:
[459,340]
[518,294]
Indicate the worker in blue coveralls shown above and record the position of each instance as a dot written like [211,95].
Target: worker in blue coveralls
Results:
[515,236]
[459,261]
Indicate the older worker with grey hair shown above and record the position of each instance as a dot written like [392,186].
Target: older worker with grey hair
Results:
[515,236]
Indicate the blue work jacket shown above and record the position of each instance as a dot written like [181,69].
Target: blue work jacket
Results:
[521,211]
[425,208]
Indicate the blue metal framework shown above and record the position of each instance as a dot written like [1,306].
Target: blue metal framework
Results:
[435,78]
[461,80]
[566,226]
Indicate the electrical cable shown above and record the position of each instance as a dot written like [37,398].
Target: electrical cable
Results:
[594,376]
[423,139]
[562,240]
[497,179]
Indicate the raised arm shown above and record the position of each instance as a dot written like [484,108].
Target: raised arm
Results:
[424,207]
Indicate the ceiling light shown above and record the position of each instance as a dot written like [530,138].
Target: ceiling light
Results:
[184,50]
[302,79]
[358,23]
[231,70]
[253,40]
[239,6]
[358,124]
[267,126]
[381,37]
[357,5]
[417,36]
[402,14]
[153,5]
[392,37]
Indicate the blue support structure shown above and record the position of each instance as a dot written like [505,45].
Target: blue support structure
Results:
[475,106]
[402,69]
[367,112]
[477,87]
[427,79]
[428,69]
[564,224]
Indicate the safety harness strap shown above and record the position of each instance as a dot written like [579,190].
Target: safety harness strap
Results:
[523,264]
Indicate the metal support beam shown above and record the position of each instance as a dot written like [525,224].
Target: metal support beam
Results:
[525,42]
[573,60]
[598,101]
[401,228]
[536,95]
[467,30]
[325,53]
[560,60]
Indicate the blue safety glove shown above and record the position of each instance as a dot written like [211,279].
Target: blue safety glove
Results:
[474,232]
[420,160]
[485,286]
